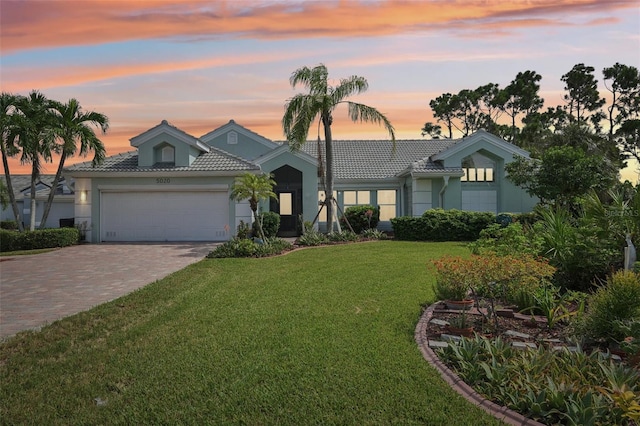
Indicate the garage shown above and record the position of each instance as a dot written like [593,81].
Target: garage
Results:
[164,216]
[480,201]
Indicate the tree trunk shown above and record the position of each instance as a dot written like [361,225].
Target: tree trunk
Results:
[12,196]
[258,224]
[326,121]
[56,179]
[34,176]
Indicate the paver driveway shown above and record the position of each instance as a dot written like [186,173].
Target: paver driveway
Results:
[39,289]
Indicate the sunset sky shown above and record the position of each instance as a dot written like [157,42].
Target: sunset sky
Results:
[199,64]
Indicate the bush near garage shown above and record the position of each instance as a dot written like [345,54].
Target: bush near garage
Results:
[244,247]
[270,224]
[38,239]
[442,225]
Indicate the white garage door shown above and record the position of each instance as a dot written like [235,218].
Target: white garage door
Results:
[480,201]
[164,216]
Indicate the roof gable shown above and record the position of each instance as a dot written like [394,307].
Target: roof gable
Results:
[469,143]
[238,140]
[165,128]
[284,149]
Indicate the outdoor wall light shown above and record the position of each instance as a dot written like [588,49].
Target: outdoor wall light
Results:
[83,196]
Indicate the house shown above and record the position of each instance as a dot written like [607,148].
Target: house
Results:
[62,209]
[175,187]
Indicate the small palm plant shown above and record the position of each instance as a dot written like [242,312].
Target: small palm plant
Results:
[254,188]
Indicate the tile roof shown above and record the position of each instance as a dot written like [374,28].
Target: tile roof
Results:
[22,183]
[215,160]
[375,159]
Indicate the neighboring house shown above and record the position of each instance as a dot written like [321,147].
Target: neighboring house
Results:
[175,187]
[63,201]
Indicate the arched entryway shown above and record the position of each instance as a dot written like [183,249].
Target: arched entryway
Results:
[289,205]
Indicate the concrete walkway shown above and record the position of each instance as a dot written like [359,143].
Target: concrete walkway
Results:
[39,289]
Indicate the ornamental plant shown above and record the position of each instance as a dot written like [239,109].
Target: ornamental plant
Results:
[455,277]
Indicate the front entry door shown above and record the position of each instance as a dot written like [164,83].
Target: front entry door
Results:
[289,205]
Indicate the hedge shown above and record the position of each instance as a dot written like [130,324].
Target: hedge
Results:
[39,239]
[442,225]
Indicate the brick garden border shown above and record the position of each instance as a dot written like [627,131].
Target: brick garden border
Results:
[501,413]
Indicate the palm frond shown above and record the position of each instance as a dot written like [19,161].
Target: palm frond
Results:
[367,114]
[300,112]
[349,86]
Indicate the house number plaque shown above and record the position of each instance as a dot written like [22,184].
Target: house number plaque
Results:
[163,180]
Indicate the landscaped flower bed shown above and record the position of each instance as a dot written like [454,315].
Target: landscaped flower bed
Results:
[533,364]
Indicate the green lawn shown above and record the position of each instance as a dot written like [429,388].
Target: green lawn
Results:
[318,336]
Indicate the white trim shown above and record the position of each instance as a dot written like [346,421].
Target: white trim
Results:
[163,188]
[279,151]
[474,138]
[143,174]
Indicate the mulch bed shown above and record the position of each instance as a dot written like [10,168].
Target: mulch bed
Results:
[537,329]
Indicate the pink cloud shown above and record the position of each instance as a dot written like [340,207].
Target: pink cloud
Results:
[19,80]
[95,22]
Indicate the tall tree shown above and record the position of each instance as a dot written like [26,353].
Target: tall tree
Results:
[32,129]
[320,102]
[73,126]
[8,149]
[583,101]
[254,188]
[623,82]
[444,109]
[521,97]
[628,138]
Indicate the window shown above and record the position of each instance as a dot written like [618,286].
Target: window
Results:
[356,198]
[478,168]
[286,203]
[167,154]
[232,138]
[387,204]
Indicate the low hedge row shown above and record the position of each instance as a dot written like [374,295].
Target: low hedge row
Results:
[442,225]
[39,239]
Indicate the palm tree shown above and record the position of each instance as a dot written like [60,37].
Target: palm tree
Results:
[4,195]
[73,125]
[32,129]
[303,109]
[8,103]
[254,188]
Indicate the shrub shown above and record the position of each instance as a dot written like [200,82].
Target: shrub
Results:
[361,218]
[503,240]
[345,236]
[270,224]
[455,276]
[555,387]
[38,239]
[374,234]
[617,300]
[243,247]
[312,238]
[581,252]
[442,225]
[244,231]
[7,240]
[9,224]
[514,279]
